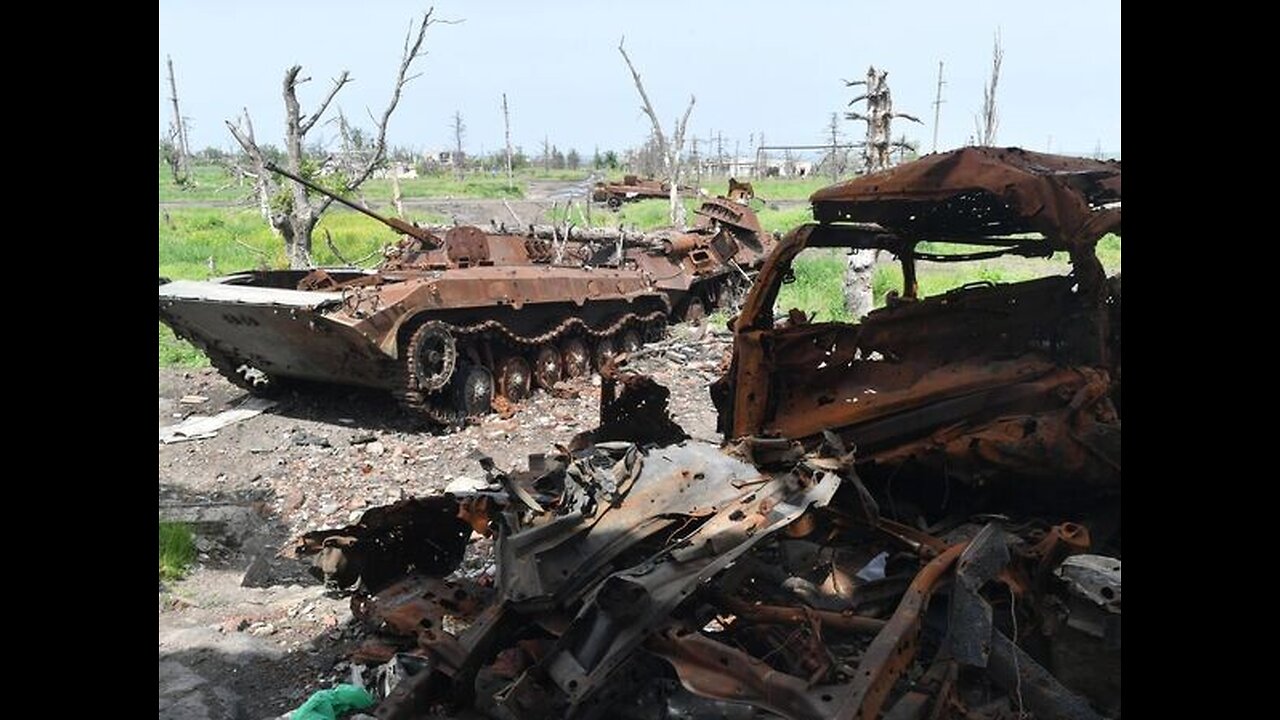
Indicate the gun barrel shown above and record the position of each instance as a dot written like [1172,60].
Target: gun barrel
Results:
[393,223]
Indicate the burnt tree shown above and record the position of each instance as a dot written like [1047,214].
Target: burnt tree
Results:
[294,215]
[990,121]
[669,150]
[858,296]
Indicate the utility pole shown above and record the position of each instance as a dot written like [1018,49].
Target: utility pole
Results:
[458,130]
[697,163]
[937,108]
[835,141]
[506,120]
[181,169]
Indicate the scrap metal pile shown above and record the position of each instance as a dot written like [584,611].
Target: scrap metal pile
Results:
[951,552]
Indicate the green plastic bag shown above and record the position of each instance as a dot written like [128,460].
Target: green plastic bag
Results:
[329,704]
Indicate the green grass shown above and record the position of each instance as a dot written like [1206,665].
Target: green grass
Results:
[213,183]
[771,189]
[179,353]
[652,214]
[239,239]
[177,550]
[818,288]
[819,272]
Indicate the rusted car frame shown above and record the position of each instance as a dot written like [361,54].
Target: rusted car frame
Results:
[952,380]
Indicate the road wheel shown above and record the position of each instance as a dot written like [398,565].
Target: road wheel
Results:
[603,351]
[547,367]
[629,342]
[474,390]
[515,378]
[576,358]
[433,355]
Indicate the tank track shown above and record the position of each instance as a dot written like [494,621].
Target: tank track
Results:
[437,406]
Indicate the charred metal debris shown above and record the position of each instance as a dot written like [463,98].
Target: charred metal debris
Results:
[947,547]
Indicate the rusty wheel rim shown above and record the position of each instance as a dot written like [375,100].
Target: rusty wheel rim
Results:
[575,358]
[514,378]
[604,350]
[475,391]
[547,367]
[630,341]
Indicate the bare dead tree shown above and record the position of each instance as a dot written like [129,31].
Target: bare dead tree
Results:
[990,117]
[177,154]
[296,219]
[459,129]
[506,121]
[670,151]
[858,295]
[397,197]
[879,117]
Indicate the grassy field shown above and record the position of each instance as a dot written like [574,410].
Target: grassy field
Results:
[214,184]
[819,284]
[653,214]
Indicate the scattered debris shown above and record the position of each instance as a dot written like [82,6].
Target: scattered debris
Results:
[201,427]
[193,399]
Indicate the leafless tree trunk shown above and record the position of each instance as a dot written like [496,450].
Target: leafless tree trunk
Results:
[397,198]
[506,121]
[990,118]
[458,130]
[879,117]
[297,220]
[178,154]
[546,154]
[670,151]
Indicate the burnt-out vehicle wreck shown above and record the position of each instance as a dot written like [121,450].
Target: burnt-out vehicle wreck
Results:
[951,552]
[454,318]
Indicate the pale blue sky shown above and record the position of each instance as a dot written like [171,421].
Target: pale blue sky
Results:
[771,67]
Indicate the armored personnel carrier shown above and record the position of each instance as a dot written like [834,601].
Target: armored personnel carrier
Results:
[453,317]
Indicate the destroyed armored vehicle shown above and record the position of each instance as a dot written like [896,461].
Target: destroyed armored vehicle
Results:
[633,188]
[454,316]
